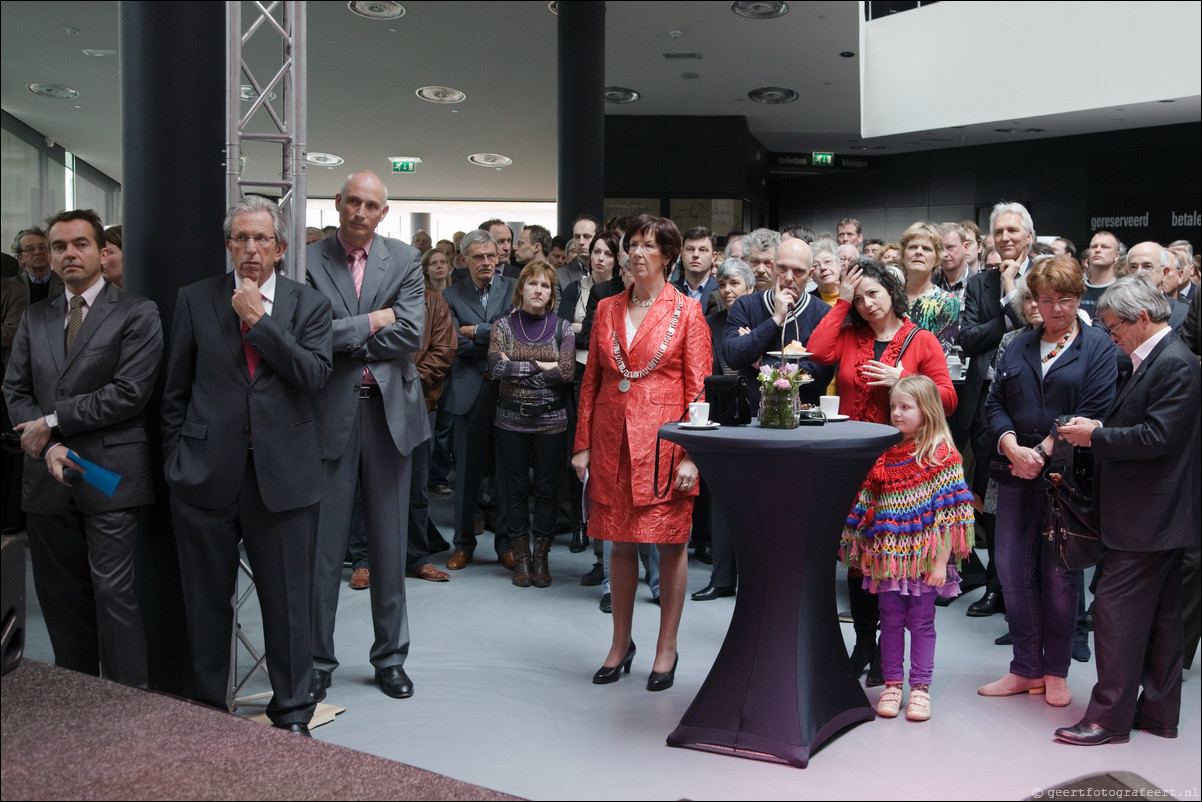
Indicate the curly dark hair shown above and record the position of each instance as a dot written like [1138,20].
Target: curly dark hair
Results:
[894,284]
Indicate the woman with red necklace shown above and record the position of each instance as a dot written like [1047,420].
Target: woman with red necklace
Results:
[648,358]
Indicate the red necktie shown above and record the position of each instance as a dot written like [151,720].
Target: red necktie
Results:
[252,356]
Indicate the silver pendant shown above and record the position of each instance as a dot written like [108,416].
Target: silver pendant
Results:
[624,385]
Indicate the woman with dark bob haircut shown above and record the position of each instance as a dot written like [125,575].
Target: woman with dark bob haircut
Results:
[1060,367]
[879,347]
[648,358]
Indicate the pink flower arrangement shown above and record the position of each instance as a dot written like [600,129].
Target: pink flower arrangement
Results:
[782,377]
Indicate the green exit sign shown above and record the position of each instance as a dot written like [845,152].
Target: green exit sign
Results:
[405,165]
[824,160]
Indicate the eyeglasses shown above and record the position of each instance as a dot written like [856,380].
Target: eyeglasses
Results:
[28,249]
[1061,302]
[261,240]
[1114,330]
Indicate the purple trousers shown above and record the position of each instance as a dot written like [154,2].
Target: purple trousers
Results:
[915,614]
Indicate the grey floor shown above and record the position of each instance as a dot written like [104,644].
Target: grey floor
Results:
[504,699]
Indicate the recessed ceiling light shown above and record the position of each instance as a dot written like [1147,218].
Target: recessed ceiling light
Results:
[87,51]
[760,9]
[1166,101]
[620,95]
[323,159]
[772,95]
[1005,130]
[247,92]
[490,160]
[441,94]
[376,9]
[1033,130]
[847,54]
[52,90]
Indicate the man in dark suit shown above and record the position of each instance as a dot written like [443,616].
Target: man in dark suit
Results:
[248,353]
[371,416]
[987,315]
[1148,457]
[469,395]
[33,255]
[696,278]
[82,368]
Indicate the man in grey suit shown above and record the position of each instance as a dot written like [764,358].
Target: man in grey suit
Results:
[1148,458]
[249,351]
[82,368]
[370,416]
[471,396]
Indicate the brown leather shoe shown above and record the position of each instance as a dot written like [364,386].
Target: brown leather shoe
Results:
[458,560]
[360,579]
[508,560]
[429,573]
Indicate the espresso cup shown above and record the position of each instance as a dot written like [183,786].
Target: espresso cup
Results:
[699,413]
[829,404]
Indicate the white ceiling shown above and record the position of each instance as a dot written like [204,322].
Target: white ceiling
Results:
[503,56]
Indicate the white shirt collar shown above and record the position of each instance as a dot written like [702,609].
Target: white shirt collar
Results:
[1146,347]
[89,295]
[268,292]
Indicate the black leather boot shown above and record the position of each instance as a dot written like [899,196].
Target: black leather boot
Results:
[521,561]
[539,570]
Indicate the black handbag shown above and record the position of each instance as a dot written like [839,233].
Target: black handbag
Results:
[729,400]
[1073,526]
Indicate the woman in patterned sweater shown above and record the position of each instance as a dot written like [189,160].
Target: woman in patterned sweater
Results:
[533,354]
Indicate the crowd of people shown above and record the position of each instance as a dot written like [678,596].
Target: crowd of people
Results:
[311,422]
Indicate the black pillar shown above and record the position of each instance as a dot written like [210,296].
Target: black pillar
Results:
[173,118]
[581,111]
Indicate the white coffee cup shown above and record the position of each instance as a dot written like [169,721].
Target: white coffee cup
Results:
[829,404]
[699,413]
[955,368]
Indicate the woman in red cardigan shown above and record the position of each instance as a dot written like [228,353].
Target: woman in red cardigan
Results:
[865,333]
[868,334]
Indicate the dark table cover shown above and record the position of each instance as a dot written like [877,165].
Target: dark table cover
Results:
[781,684]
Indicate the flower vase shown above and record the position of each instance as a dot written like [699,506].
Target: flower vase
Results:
[778,408]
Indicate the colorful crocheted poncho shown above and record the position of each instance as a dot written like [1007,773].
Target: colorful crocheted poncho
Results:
[906,514]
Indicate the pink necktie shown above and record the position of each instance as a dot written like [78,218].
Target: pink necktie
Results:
[358,262]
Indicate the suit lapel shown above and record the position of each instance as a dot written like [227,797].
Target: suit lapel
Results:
[499,298]
[96,316]
[373,277]
[1135,377]
[228,324]
[334,262]
[54,313]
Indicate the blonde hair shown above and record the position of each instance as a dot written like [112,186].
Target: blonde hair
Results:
[934,431]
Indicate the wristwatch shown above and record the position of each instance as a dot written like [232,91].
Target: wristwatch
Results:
[1040,451]
[52,421]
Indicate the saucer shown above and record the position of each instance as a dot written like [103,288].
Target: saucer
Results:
[780,355]
[837,418]
[684,424]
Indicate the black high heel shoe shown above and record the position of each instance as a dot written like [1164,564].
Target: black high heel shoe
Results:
[606,675]
[661,682]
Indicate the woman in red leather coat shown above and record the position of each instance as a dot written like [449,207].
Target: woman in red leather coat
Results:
[648,358]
